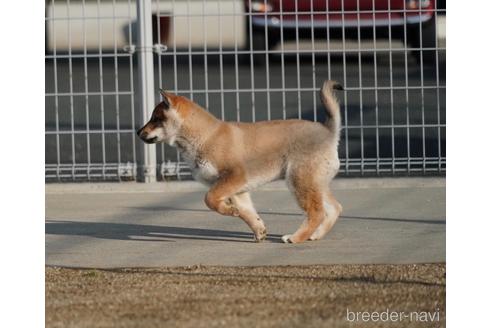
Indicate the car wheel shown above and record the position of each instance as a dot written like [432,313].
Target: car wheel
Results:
[426,39]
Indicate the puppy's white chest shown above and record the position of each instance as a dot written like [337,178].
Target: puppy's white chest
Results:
[204,172]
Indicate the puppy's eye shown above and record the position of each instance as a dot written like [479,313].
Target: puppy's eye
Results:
[156,119]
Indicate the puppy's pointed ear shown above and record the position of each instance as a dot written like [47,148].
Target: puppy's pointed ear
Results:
[165,98]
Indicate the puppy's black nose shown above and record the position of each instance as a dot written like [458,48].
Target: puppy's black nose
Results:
[142,134]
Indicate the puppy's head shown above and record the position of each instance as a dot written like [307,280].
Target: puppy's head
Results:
[165,122]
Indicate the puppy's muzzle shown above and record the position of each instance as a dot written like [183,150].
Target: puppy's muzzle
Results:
[144,136]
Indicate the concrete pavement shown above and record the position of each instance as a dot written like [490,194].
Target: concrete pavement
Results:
[392,220]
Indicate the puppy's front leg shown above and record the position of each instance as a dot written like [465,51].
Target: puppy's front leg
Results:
[248,214]
[218,197]
[225,198]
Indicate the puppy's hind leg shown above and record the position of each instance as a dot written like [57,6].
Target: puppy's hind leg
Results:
[248,214]
[310,198]
[332,211]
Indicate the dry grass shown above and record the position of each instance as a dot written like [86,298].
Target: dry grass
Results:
[278,296]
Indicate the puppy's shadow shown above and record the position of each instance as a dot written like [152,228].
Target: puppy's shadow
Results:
[143,232]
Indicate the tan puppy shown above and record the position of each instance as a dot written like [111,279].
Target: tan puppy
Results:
[234,158]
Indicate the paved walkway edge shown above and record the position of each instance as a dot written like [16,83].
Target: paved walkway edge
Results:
[188,186]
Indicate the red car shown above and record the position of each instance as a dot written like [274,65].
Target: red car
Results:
[271,20]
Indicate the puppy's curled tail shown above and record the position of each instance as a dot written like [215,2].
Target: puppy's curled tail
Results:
[333,117]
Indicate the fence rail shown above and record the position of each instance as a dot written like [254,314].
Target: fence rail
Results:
[243,61]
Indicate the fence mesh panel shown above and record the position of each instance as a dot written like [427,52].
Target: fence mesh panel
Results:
[248,61]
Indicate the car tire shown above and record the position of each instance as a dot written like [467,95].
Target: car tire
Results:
[428,40]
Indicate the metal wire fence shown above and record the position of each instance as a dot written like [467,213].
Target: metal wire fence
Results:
[243,61]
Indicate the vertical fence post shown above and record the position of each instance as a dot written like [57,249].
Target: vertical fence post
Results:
[147,153]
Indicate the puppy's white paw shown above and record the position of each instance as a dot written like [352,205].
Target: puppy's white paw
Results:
[286,239]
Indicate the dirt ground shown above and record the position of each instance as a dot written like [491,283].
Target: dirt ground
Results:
[279,296]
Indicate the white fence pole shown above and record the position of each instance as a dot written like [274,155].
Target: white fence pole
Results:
[147,154]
